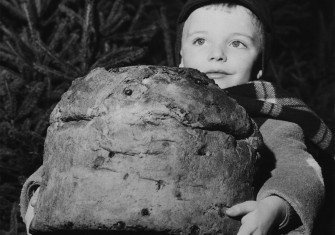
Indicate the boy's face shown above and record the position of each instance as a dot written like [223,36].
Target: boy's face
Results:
[223,42]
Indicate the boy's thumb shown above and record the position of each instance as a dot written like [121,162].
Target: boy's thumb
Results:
[241,208]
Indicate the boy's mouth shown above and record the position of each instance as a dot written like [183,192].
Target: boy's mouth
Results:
[217,74]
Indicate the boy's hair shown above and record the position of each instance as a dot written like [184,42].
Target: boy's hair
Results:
[260,12]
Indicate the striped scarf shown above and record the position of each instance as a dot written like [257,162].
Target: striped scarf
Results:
[261,98]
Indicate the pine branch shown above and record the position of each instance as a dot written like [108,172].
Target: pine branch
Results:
[15,3]
[138,14]
[110,29]
[4,48]
[4,127]
[29,140]
[31,100]
[51,18]
[69,43]
[56,94]
[43,122]
[13,219]
[123,56]
[116,18]
[10,104]
[4,70]
[34,35]
[26,125]
[84,53]
[13,10]
[31,5]
[57,36]
[9,58]
[39,7]
[167,40]
[66,67]
[47,83]
[17,82]
[51,72]
[30,18]
[39,45]
[17,47]
[138,36]
[116,11]
[72,14]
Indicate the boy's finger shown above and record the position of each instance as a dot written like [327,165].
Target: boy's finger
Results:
[34,198]
[28,218]
[242,208]
[245,230]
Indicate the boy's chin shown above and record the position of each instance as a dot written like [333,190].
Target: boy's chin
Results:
[223,84]
[230,82]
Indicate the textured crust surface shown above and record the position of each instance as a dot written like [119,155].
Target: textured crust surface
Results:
[146,148]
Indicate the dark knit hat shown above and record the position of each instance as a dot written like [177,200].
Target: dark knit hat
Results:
[258,7]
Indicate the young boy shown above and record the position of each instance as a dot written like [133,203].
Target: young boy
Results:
[229,42]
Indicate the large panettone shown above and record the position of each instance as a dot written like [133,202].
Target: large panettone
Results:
[146,148]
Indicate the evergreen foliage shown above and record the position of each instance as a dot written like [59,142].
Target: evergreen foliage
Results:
[46,44]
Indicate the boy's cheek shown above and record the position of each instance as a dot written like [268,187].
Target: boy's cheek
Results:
[190,64]
[190,60]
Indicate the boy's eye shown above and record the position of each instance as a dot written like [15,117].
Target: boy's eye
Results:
[237,44]
[199,41]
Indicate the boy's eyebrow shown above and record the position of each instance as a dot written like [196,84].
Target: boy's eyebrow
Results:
[254,38]
[195,32]
[251,37]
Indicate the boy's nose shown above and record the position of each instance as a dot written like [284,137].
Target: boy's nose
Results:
[217,54]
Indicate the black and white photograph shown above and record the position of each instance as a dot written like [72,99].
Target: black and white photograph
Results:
[167,117]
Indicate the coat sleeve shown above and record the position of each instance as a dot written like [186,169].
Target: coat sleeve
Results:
[295,175]
[31,184]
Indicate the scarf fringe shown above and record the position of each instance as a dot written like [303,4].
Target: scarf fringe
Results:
[261,98]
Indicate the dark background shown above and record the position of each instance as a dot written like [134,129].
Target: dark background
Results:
[45,44]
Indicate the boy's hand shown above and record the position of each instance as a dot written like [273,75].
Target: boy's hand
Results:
[259,217]
[28,218]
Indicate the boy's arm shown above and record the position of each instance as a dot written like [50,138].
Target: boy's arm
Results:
[31,184]
[296,176]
